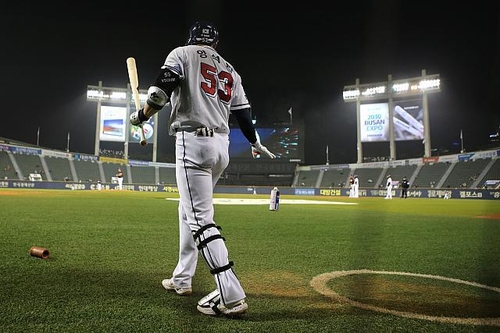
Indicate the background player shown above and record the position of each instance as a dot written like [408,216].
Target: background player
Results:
[119,177]
[388,186]
[203,89]
[355,187]
[405,184]
[351,186]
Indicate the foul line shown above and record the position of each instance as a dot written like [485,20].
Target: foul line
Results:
[319,284]
[232,201]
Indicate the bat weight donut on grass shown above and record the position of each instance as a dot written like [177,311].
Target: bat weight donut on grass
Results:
[40,252]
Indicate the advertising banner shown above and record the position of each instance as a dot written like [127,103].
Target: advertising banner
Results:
[408,121]
[113,123]
[374,122]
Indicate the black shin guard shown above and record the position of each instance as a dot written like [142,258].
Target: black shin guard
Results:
[206,238]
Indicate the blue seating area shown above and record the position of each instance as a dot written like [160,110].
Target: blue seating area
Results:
[59,168]
[7,171]
[335,178]
[29,164]
[87,171]
[492,175]
[450,173]
[430,175]
[471,171]
[368,177]
[464,174]
[143,175]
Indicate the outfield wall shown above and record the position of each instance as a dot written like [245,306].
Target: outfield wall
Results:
[330,192]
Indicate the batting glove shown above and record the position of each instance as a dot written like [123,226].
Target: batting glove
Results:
[258,148]
[138,118]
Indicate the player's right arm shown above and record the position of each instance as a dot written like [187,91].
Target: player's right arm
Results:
[160,91]
[158,95]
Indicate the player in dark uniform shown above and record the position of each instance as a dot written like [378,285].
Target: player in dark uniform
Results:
[405,184]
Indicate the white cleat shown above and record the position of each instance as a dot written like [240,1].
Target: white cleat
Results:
[169,285]
[210,305]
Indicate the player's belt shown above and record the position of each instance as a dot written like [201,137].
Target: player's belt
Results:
[204,131]
[198,131]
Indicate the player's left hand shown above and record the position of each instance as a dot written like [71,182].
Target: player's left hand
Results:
[258,148]
[138,118]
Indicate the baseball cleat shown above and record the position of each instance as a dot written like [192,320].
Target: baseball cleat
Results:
[169,285]
[210,305]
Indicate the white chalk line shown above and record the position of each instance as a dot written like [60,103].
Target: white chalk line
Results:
[235,201]
[319,284]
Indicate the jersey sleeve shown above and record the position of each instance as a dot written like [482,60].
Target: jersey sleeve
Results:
[174,62]
[240,100]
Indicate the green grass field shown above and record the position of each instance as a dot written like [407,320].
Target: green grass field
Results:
[109,251]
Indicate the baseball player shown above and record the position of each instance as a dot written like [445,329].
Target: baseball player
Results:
[203,89]
[388,186]
[405,184]
[351,186]
[119,177]
[356,187]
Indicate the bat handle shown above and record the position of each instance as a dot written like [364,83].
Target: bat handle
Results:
[143,136]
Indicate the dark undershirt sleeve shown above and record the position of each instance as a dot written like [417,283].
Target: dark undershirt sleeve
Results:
[245,123]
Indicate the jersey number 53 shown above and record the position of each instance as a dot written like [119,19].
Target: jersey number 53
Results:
[214,80]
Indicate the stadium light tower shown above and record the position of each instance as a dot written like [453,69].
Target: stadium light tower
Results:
[384,119]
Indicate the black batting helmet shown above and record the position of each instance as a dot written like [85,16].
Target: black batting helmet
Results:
[203,33]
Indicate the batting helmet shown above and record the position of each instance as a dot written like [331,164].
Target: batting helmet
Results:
[203,33]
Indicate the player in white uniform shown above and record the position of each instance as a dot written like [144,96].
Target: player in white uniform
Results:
[204,89]
[356,187]
[388,186]
[119,177]
[351,186]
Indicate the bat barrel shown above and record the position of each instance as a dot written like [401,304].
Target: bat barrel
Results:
[134,85]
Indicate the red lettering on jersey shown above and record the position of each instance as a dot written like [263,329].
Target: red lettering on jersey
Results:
[209,86]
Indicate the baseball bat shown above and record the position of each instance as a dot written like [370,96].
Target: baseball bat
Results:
[134,84]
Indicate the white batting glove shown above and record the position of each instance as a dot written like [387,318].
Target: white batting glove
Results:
[138,118]
[258,148]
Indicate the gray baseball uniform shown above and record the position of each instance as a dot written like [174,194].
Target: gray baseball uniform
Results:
[209,88]
[203,89]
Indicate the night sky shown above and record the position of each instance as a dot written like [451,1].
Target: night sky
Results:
[299,57]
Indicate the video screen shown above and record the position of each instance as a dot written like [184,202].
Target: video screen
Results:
[408,121]
[374,120]
[113,123]
[285,142]
[113,127]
